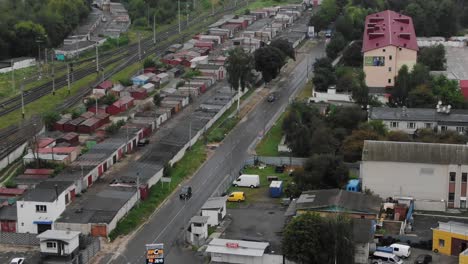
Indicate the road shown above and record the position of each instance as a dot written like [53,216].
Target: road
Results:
[167,224]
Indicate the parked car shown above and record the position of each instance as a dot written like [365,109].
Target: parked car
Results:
[247,180]
[401,250]
[236,197]
[143,142]
[17,261]
[423,259]
[384,257]
[185,193]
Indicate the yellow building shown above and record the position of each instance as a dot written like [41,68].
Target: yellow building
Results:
[450,238]
[389,42]
[463,257]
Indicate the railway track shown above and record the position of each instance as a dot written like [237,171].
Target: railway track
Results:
[16,135]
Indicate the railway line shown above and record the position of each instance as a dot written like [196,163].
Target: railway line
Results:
[14,136]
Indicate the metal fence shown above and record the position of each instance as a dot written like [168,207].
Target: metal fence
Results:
[25,239]
[275,161]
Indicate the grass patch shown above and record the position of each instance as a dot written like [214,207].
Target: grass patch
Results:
[306,92]
[268,146]
[211,230]
[261,193]
[264,3]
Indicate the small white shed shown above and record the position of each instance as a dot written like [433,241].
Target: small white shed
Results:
[149,87]
[215,209]
[198,230]
[59,242]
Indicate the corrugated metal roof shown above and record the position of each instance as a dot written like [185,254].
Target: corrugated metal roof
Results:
[413,152]
[418,114]
[245,248]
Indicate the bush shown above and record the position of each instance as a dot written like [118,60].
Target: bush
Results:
[126,82]
[10,184]
[50,118]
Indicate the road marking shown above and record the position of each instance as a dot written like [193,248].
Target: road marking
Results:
[172,220]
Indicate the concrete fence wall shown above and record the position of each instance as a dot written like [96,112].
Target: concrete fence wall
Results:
[276,161]
[25,239]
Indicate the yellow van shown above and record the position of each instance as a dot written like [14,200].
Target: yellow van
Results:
[236,197]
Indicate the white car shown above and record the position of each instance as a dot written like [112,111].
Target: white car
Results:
[17,261]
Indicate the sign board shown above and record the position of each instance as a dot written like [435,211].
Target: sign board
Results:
[378,61]
[154,253]
[60,57]
[165,179]
[232,245]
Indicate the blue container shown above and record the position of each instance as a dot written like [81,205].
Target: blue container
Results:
[276,189]
[353,186]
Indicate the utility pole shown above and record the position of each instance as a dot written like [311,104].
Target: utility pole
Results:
[97,58]
[212,7]
[22,98]
[186,11]
[178,8]
[154,29]
[53,72]
[13,74]
[139,46]
[190,132]
[68,77]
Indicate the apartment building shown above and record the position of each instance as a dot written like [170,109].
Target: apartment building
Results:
[389,42]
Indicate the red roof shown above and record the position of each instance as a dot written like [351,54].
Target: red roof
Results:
[389,28]
[44,142]
[105,85]
[122,101]
[11,191]
[57,150]
[464,88]
[38,171]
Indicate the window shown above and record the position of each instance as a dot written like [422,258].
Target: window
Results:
[51,245]
[451,197]
[399,49]
[443,128]
[389,80]
[41,209]
[394,124]
[389,69]
[452,176]
[441,243]
[411,125]
[460,129]
[383,50]
[390,57]
[427,125]
[197,224]
[464,176]
[463,204]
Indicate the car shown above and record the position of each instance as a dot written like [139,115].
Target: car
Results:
[236,197]
[143,142]
[271,97]
[185,193]
[423,259]
[17,261]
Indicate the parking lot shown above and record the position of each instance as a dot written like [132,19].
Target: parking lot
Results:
[7,253]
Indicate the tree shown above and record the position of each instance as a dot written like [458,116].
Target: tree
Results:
[285,46]
[447,91]
[447,18]
[148,63]
[310,238]
[157,99]
[419,75]
[433,57]
[323,171]
[399,136]
[399,93]
[125,81]
[353,144]
[50,118]
[421,97]
[347,117]
[344,25]
[239,66]
[352,55]
[323,142]
[27,35]
[336,45]
[269,61]
[324,74]
[360,91]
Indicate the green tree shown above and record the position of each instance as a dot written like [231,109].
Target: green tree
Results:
[433,57]
[324,74]
[347,117]
[157,99]
[239,67]
[148,63]
[399,136]
[447,18]
[27,34]
[269,61]
[322,141]
[352,55]
[323,171]
[50,118]
[421,97]
[447,91]
[336,45]
[344,25]
[399,93]
[353,144]
[360,91]
[285,46]
[310,238]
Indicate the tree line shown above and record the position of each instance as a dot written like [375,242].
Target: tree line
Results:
[24,25]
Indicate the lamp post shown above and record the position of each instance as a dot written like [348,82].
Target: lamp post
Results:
[22,98]
[178,10]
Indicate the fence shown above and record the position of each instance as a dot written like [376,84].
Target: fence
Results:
[25,239]
[276,161]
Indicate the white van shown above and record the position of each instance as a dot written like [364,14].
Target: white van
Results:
[401,250]
[247,180]
[385,257]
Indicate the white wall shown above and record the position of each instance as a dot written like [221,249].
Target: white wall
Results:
[200,230]
[15,154]
[68,249]
[85,229]
[19,65]
[27,212]
[389,179]
[265,259]
[213,216]
[123,211]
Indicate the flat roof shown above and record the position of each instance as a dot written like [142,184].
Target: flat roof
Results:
[58,234]
[237,247]
[215,203]
[199,219]
[46,192]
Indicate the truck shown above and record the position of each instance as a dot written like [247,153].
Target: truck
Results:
[247,180]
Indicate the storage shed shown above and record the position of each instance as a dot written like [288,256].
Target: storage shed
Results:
[149,87]
[138,93]
[215,209]
[100,109]
[59,125]
[89,125]
[218,70]
[163,78]
[71,138]
[121,105]
[103,87]
[140,80]
[72,125]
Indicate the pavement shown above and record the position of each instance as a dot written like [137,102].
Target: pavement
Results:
[168,222]
[31,254]
[436,258]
